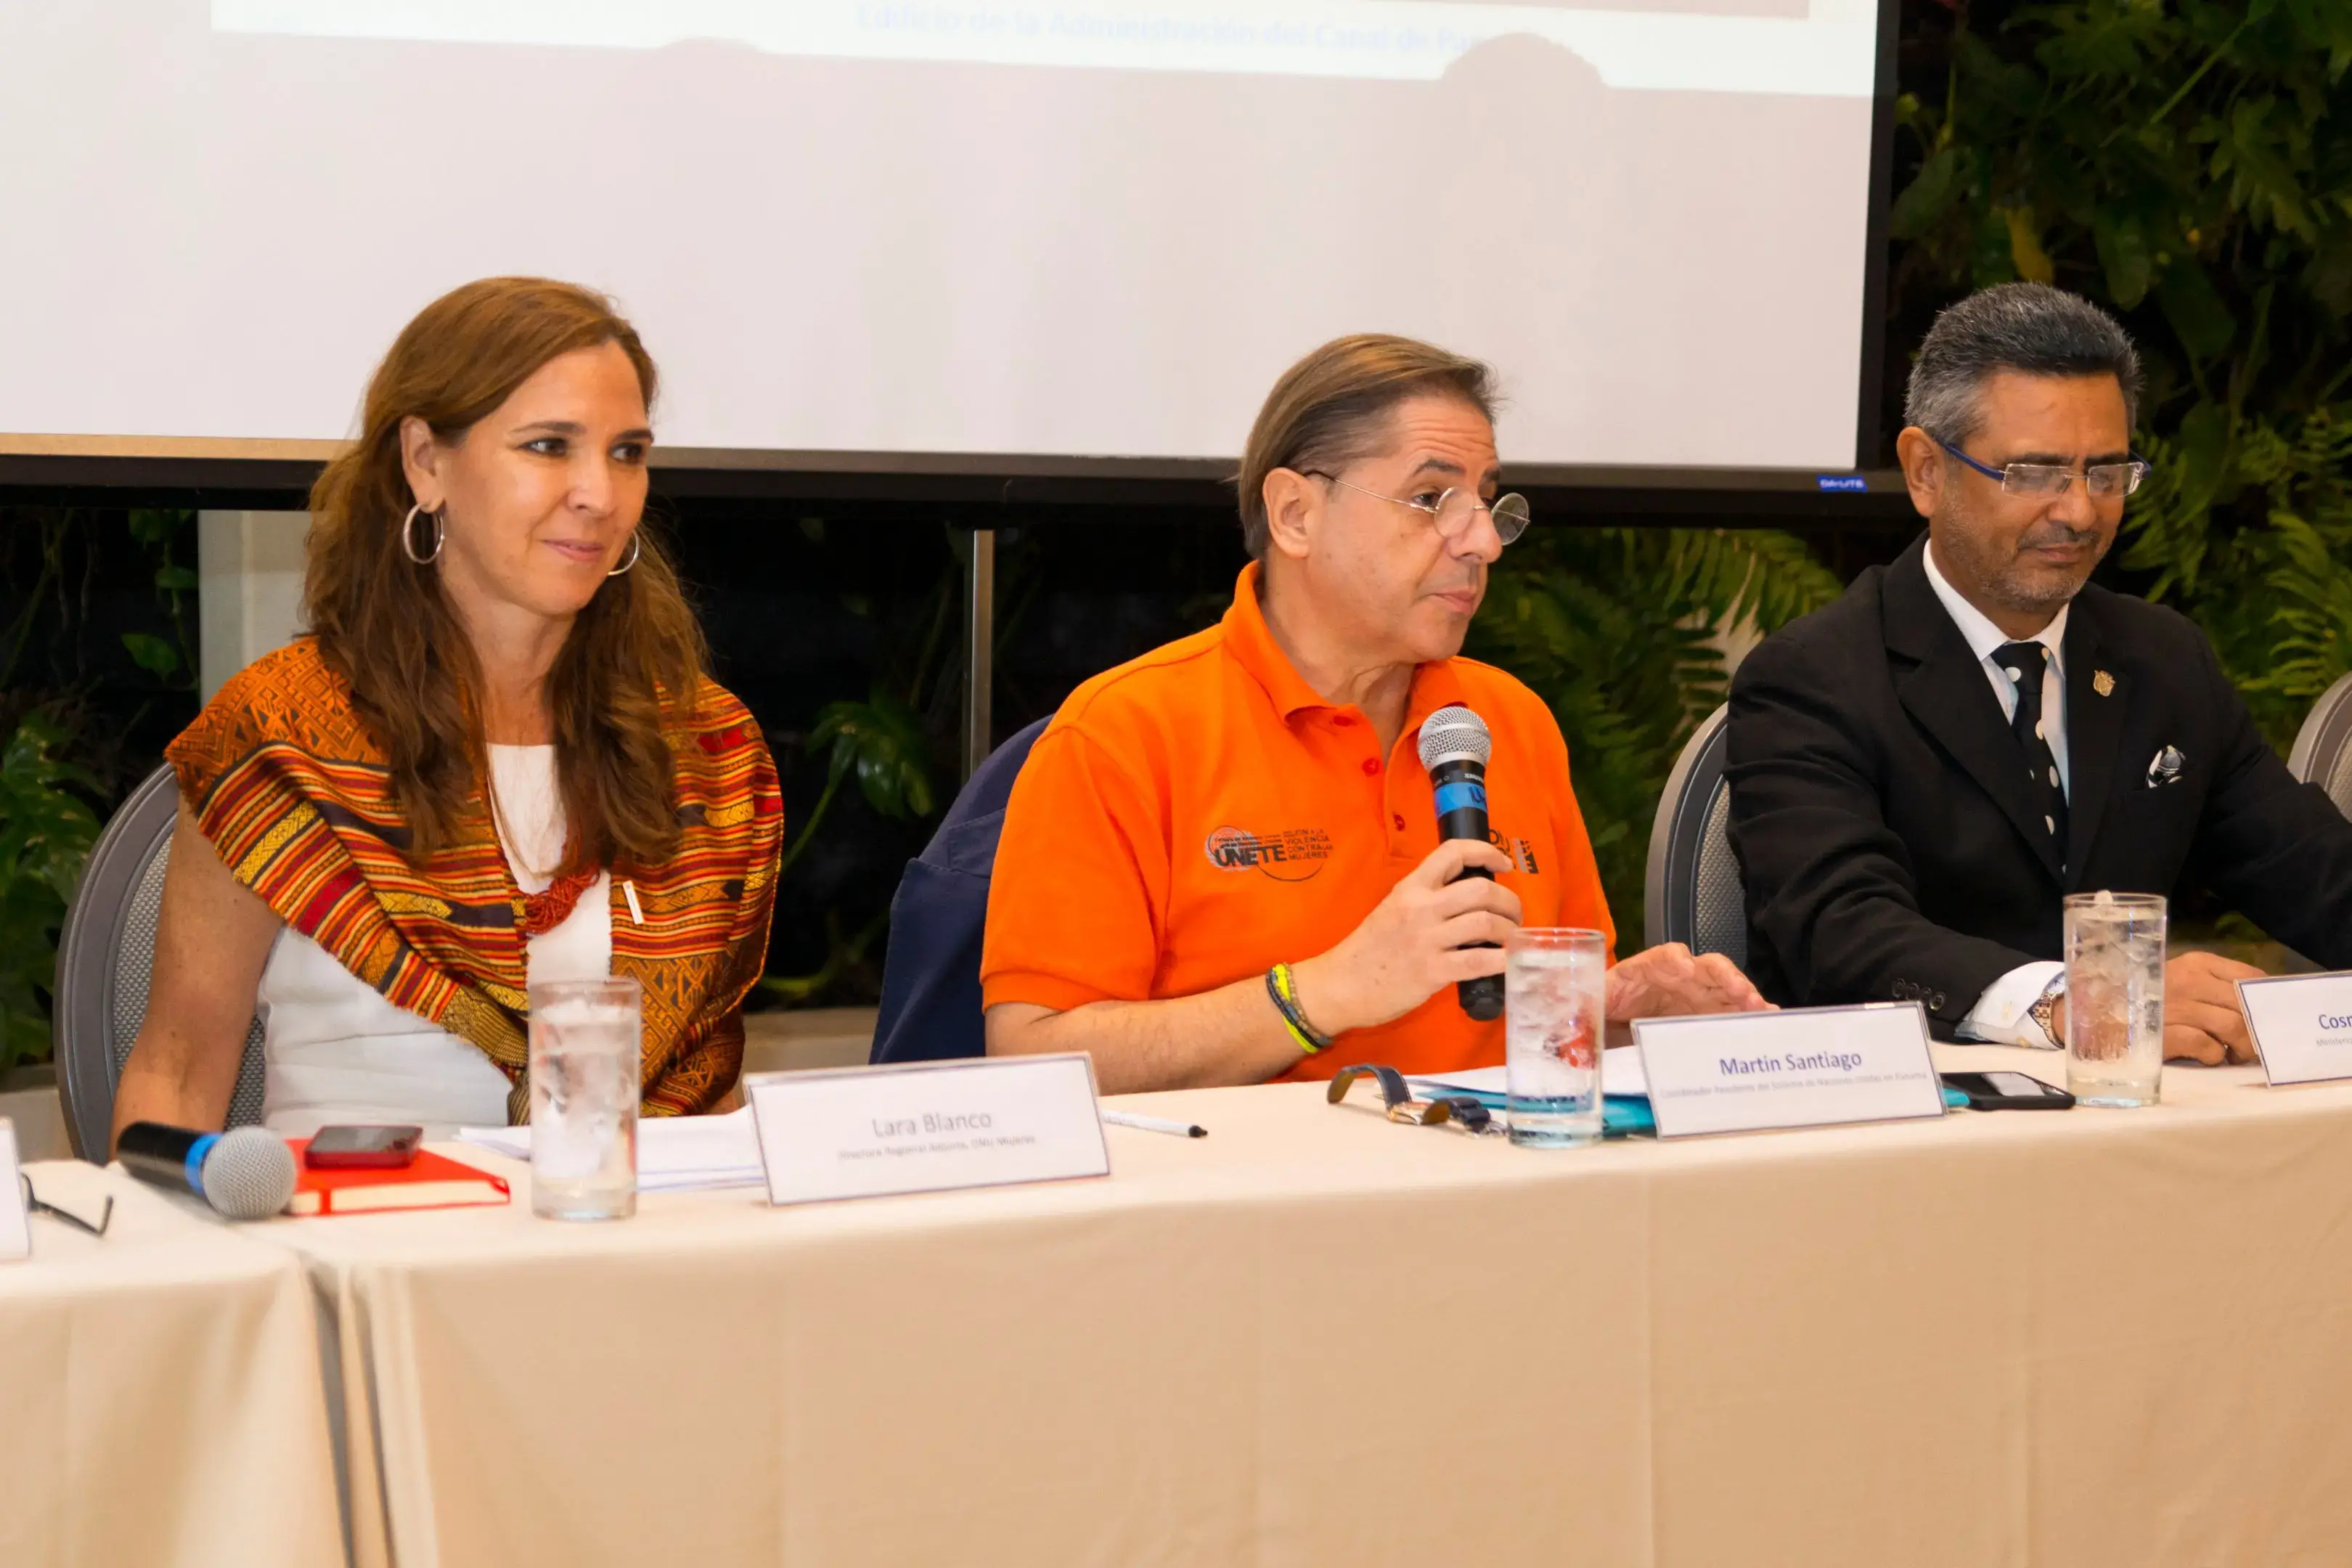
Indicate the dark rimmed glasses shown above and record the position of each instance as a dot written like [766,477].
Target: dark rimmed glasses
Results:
[1397,1100]
[2101,481]
[1453,510]
[36,1203]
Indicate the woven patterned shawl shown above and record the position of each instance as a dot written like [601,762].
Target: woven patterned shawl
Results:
[295,797]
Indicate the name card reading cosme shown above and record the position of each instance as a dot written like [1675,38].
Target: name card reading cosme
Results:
[2302,1025]
[864,1132]
[1806,1067]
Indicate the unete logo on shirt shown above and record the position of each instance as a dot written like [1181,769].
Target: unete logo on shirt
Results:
[1290,855]
[1521,851]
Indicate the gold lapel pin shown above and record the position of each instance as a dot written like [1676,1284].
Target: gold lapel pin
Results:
[2103,683]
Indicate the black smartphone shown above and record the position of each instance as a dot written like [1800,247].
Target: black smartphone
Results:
[364,1148]
[2008,1091]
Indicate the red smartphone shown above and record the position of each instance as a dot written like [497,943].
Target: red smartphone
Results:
[364,1148]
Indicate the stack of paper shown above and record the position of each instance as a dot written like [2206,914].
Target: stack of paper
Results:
[674,1154]
[1620,1074]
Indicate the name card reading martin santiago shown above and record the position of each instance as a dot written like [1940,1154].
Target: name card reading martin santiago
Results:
[868,1133]
[2302,1025]
[1807,1067]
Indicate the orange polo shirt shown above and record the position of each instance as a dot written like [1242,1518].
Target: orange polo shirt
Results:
[1192,817]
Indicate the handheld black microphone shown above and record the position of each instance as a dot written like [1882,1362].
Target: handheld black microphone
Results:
[1454,746]
[247,1172]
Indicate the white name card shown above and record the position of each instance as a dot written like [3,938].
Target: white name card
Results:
[2302,1025]
[15,1234]
[866,1132]
[1807,1067]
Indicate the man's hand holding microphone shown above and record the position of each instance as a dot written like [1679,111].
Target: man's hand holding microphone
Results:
[1430,933]
[1446,921]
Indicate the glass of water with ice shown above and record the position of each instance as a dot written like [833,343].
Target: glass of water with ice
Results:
[1555,982]
[585,1044]
[2115,998]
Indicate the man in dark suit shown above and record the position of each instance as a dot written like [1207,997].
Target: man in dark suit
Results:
[1921,771]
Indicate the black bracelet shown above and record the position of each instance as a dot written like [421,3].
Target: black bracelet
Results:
[1278,986]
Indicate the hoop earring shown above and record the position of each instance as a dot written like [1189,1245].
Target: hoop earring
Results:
[636,548]
[408,536]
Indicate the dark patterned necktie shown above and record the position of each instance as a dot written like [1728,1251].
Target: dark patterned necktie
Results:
[2024,664]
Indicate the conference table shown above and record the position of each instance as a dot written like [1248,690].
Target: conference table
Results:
[160,1392]
[1316,1336]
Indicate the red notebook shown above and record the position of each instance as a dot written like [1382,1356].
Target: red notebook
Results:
[434,1182]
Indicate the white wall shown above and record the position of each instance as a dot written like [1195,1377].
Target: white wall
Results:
[248,588]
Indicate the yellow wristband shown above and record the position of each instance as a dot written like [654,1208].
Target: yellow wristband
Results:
[1284,992]
[1306,1045]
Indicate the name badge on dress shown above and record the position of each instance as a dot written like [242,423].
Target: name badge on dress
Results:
[865,1133]
[2302,1025]
[15,1234]
[1805,1066]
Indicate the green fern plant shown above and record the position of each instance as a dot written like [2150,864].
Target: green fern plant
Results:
[880,743]
[46,829]
[1623,631]
[2188,164]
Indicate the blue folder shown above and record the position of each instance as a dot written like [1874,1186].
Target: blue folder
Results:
[1621,1115]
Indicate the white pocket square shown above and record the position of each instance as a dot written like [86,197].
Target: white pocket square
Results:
[2165,767]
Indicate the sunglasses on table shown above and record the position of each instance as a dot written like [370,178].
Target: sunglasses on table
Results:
[1398,1104]
[36,1203]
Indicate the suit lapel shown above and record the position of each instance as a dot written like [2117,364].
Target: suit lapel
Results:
[2094,733]
[1945,691]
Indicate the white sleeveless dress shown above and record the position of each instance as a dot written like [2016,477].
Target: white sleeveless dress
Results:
[336,1051]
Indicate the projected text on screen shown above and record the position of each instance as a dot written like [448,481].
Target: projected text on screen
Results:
[1014,228]
[1723,46]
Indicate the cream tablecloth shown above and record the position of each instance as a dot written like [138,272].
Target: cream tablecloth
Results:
[160,1392]
[1319,1338]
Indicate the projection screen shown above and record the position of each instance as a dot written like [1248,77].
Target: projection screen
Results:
[974,226]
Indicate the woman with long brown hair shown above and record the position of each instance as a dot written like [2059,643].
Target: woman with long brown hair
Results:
[495,759]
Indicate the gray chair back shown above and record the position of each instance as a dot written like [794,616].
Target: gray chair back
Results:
[1692,893]
[104,960]
[2323,747]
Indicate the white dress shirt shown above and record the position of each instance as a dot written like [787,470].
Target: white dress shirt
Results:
[2003,1013]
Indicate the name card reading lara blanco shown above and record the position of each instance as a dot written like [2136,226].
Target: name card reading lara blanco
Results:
[1806,1067]
[866,1132]
[2302,1025]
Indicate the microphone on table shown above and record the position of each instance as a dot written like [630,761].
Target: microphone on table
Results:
[247,1172]
[1454,746]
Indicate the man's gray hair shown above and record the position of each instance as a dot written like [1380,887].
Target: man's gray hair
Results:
[2026,327]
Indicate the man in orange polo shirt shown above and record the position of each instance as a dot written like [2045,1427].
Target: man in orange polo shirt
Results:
[1224,853]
